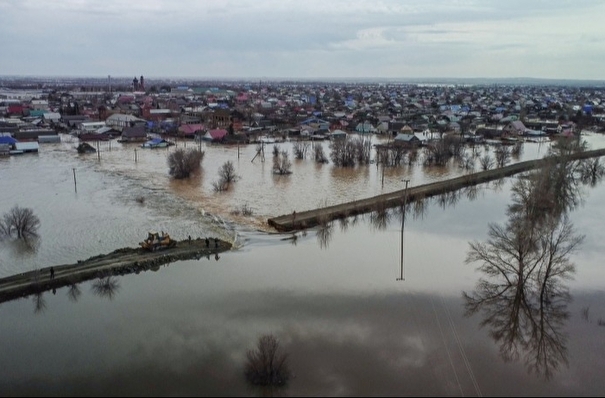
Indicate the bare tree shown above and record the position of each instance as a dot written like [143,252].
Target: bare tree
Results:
[502,156]
[183,162]
[226,176]
[20,220]
[348,153]
[300,149]
[267,364]
[282,164]
[487,162]
[517,149]
[227,172]
[466,161]
[318,153]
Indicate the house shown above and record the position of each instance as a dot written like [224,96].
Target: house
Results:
[119,121]
[338,135]
[515,128]
[7,142]
[365,127]
[52,117]
[26,147]
[407,140]
[133,134]
[191,130]
[536,136]
[38,104]
[216,135]
[156,114]
[32,134]
[218,119]
[89,127]
[16,109]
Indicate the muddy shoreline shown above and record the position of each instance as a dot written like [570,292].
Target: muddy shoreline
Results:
[119,262]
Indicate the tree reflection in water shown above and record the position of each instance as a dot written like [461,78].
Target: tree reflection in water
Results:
[107,287]
[74,292]
[325,231]
[525,263]
[39,303]
[379,219]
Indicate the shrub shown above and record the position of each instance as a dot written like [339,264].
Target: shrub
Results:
[183,162]
[227,173]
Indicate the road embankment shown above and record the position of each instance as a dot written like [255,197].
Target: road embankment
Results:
[312,218]
[119,262]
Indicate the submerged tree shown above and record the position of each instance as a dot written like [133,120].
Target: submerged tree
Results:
[20,220]
[319,154]
[226,176]
[300,149]
[183,162]
[227,172]
[282,164]
[350,152]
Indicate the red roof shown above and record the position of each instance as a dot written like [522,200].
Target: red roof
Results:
[14,109]
[191,129]
[217,134]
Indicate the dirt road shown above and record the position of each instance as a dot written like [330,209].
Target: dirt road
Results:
[119,262]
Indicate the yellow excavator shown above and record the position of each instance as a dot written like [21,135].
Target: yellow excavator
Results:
[156,241]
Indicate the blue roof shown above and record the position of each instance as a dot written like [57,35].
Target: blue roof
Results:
[7,140]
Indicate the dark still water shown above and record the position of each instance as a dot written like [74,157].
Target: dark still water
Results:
[331,296]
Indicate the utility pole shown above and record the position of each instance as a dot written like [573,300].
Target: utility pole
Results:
[405,203]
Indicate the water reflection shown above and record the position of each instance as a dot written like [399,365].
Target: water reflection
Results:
[267,367]
[106,287]
[380,218]
[522,295]
[22,248]
[324,234]
[74,292]
[39,303]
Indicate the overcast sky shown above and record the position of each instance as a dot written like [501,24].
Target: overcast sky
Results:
[304,39]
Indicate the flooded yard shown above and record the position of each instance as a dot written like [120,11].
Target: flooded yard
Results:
[361,307]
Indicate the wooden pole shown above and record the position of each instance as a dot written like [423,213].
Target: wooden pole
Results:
[98,152]
[135,155]
[75,182]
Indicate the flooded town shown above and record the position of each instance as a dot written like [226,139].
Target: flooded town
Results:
[491,287]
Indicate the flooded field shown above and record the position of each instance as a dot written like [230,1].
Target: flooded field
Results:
[360,307]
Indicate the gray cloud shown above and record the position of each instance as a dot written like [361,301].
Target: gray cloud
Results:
[311,39]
